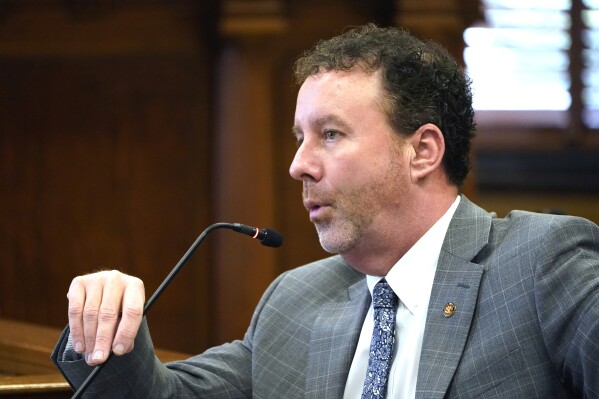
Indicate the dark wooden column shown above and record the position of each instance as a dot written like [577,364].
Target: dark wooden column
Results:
[243,166]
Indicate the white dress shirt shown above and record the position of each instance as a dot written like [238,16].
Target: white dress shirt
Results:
[411,278]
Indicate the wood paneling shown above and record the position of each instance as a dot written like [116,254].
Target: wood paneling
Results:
[104,162]
[128,127]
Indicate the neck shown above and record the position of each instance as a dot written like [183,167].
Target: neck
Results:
[378,251]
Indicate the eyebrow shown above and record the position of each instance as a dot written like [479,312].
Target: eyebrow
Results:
[330,118]
[323,120]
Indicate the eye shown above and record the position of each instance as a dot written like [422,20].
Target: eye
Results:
[298,136]
[330,135]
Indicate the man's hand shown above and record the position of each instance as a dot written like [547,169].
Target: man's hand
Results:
[105,312]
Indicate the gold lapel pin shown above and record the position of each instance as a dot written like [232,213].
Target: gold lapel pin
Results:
[449,309]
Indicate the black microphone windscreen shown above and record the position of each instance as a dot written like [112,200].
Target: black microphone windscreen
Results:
[271,238]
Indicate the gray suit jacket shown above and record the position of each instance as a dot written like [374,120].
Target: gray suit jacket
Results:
[526,325]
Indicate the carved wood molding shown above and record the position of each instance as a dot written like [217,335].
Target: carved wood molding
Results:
[251,18]
[443,21]
[435,14]
[66,28]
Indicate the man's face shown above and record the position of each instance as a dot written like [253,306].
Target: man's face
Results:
[352,164]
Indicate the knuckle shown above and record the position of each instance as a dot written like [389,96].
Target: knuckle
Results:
[138,285]
[132,312]
[76,331]
[127,333]
[71,293]
[90,314]
[75,310]
[103,341]
[107,314]
[77,280]
[137,282]
[90,340]
[113,274]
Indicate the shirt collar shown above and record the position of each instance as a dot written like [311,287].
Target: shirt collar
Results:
[411,278]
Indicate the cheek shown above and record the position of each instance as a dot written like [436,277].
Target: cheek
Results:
[375,167]
[360,180]
[350,172]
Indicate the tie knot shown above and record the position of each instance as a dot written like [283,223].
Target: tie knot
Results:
[383,296]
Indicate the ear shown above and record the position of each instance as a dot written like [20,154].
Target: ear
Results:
[428,146]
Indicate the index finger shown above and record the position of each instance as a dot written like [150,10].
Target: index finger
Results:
[76,297]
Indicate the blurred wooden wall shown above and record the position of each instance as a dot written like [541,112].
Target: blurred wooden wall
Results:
[128,127]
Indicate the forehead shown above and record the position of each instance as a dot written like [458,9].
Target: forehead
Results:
[340,93]
[340,83]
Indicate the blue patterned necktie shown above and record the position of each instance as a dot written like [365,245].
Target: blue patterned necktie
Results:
[385,303]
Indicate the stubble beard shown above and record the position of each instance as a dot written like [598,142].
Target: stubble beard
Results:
[350,214]
[338,237]
[353,211]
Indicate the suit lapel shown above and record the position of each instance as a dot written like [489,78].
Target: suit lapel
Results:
[333,341]
[457,280]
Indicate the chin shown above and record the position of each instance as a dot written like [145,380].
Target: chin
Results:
[335,242]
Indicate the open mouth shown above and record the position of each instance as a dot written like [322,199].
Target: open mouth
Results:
[315,209]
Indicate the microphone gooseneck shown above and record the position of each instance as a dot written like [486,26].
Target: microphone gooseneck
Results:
[267,237]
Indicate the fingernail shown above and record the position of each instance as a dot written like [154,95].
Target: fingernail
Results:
[98,355]
[78,347]
[119,349]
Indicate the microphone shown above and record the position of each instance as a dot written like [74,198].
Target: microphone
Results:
[267,237]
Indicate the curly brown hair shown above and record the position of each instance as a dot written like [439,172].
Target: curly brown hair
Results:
[422,83]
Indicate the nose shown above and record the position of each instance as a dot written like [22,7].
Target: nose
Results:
[305,165]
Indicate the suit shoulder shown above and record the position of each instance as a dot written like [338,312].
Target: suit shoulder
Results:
[325,279]
[545,223]
[535,233]
[301,291]
[539,234]
[325,270]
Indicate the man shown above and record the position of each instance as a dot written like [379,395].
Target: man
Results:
[466,305]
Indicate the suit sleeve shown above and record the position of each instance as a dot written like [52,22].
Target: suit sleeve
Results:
[567,281]
[221,372]
[120,375]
